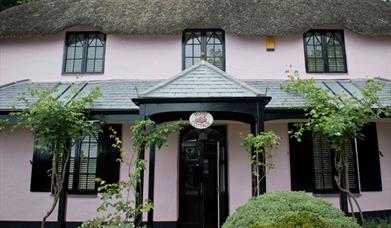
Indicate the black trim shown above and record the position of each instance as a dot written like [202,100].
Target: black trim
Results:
[151,180]
[35,224]
[165,224]
[84,60]
[203,43]
[283,114]
[148,100]
[368,159]
[324,50]
[238,105]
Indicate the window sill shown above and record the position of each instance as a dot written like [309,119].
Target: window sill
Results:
[82,74]
[83,195]
[326,73]
[336,194]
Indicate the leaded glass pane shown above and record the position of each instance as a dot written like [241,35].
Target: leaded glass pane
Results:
[77,67]
[335,53]
[318,51]
[82,52]
[197,51]
[188,62]
[78,53]
[69,66]
[196,60]
[90,65]
[98,66]
[209,42]
[95,53]
[91,52]
[71,51]
[325,52]
[99,52]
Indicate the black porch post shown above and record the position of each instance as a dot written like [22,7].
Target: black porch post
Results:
[151,181]
[140,185]
[260,127]
[254,179]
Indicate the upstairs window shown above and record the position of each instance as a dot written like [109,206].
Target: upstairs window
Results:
[208,41]
[84,52]
[325,51]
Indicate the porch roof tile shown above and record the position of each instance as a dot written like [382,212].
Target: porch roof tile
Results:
[202,80]
[117,94]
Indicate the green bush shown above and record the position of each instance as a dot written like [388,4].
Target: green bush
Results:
[378,222]
[298,220]
[267,208]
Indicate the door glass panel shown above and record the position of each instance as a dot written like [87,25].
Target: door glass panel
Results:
[193,179]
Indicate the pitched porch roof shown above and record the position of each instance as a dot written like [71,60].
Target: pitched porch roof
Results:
[117,95]
[203,80]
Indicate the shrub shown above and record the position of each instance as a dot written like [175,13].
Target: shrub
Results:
[267,208]
[378,223]
[298,220]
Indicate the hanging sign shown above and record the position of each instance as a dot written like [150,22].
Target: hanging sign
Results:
[201,120]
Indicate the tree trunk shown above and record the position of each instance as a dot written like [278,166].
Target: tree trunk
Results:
[62,206]
[59,185]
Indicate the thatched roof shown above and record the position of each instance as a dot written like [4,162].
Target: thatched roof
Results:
[239,17]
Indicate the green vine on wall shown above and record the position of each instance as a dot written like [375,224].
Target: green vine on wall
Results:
[259,146]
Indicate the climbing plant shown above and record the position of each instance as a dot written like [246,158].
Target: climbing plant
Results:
[259,146]
[338,117]
[56,124]
[121,205]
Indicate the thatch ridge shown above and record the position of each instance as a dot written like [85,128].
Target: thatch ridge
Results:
[239,17]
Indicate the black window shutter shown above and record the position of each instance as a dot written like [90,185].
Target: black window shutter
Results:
[108,166]
[368,159]
[40,176]
[352,170]
[301,159]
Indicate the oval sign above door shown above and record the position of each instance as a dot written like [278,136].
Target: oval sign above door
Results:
[201,120]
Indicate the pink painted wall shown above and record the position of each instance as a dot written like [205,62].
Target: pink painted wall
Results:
[160,56]
[127,57]
[278,178]
[166,197]
[239,168]
[247,57]
[16,200]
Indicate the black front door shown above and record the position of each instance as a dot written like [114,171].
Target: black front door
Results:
[203,185]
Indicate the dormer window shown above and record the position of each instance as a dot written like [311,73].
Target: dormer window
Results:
[325,51]
[84,52]
[208,41]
